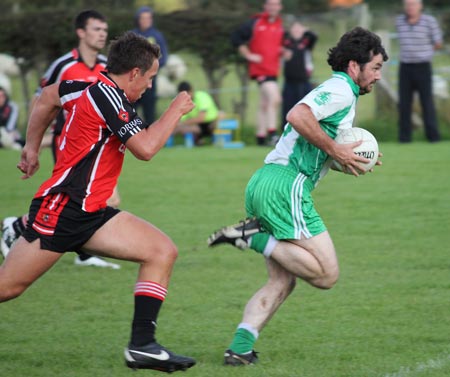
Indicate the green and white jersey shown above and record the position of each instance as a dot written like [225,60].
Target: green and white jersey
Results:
[333,103]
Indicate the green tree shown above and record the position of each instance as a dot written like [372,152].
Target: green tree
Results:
[205,33]
[35,37]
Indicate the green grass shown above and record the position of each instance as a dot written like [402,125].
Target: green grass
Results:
[387,316]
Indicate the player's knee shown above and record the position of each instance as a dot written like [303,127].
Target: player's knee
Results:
[275,102]
[327,280]
[172,253]
[8,292]
[165,253]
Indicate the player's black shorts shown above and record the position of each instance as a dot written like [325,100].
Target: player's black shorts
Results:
[262,79]
[61,224]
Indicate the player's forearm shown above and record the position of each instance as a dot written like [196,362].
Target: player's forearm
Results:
[145,144]
[32,104]
[305,123]
[149,141]
[45,108]
[166,124]
[39,121]
[316,136]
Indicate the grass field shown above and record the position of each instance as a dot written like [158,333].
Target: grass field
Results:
[388,316]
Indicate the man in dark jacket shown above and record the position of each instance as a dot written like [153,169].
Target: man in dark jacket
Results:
[145,27]
[298,66]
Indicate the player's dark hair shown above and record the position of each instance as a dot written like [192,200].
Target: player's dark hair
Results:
[358,44]
[82,18]
[184,86]
[129,51]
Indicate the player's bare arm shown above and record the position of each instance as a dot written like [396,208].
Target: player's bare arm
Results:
[149,141]
[248,55]
[306,124]
[44,112]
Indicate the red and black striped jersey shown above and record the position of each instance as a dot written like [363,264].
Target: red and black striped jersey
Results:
[72,67]
[91,153]
[70,91]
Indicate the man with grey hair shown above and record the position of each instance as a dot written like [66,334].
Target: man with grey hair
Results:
[419,36]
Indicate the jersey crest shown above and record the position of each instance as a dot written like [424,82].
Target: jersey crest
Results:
[322,98]
[124,116]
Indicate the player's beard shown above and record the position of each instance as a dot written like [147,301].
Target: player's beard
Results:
[366,89]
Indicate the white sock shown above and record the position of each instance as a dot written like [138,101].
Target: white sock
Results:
[271,244]
[249,328]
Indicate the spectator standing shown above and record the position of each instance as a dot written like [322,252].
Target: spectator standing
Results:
[260,42]
[83,63]
[298,66]
[419,36]
[201,121]
[9,113]
[145,26]
[69,211]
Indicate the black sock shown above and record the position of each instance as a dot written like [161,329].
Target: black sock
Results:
[83,256]
[146,311]
[18,226]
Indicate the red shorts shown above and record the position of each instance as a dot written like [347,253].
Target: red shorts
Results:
[61,224]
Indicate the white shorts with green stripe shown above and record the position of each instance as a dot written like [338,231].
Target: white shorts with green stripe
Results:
[281,200]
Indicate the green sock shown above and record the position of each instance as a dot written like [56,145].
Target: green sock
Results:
[243,341]
[258,242]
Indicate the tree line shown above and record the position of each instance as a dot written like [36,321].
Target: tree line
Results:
[37,32]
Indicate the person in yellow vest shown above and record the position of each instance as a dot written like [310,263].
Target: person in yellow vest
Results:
[201,121]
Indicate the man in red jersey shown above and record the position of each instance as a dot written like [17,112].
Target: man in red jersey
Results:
[69,210]
[260,42]
[83,63]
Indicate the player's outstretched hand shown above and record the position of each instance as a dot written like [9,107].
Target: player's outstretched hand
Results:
[29,162]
